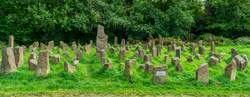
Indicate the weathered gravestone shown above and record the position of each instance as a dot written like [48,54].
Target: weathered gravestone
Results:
[74,46]
[234,52]
[160,75]
[101,39]
[231,70]
[140,52]
[43,67]
[213,60]
[32,61]
[55,59]
[79,55]
[128,71]
[69,68]
[202,50]
[19,56]
[178,66]
[241,62]
[51,45]
[178,52]
[122,54]
[154,51]
[192,48]
[202,74]
[212,47]
[103,56]
[11,41]
[147,58]
[8,60]
[108,65]
[123,43]
[115,41]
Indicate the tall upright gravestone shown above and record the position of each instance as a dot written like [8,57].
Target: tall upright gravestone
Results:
[43,67]
[8,61]
[101,39]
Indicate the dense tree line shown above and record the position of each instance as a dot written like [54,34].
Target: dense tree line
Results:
[69,20]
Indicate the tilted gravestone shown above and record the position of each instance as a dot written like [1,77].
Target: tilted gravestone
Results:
[241,62]
[101,39]
[128,71]
[202,74]
[160,75]
[19,55]
[231,70]
[43,67]
[8,60]
[69,68]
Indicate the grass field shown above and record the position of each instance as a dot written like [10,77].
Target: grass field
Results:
[91,79]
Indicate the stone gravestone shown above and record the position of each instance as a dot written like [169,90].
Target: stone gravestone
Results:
[108,65]
[234,52]
[160,75]
[32,61]
[193,51]
[51,45]
[79,55]
[122,54]
[214,60]
[55,59]
[202,50]
[88,48]
[128,71]
[147,58]
[8,60]
[202,74]
[154,51]
[123,43]
[19,56]
[101,39]
[69,68]
[43,67]
[231,70]
[148,68]
[74,46]
[178,66]
[212,47]
[158,50]
[178,52]
[11,41]
[241,62]
[140,52]
[115,41]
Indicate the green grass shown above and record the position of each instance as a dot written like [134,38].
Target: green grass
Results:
[91,79]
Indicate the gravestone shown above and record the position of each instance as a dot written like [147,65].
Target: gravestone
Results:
[202,74]
[202,50]
[148,67]
[108,65]
[213,60]
[158,50]
[69,68]
[241,62]
[55,59]
[178,66]
[122,54]
[79,55]
[231,70]
[87,48]
[19,56]
[11,41]
[160,75]
[32,61]
[154,51]
[8,60]
[101,39]
[43,67]
[115,41]
[128,71]
[212,47]
[147,58]
[140,52]
[123,43]
[74,46]
[51,45]
[234,52]
[178,52]
[193,50]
